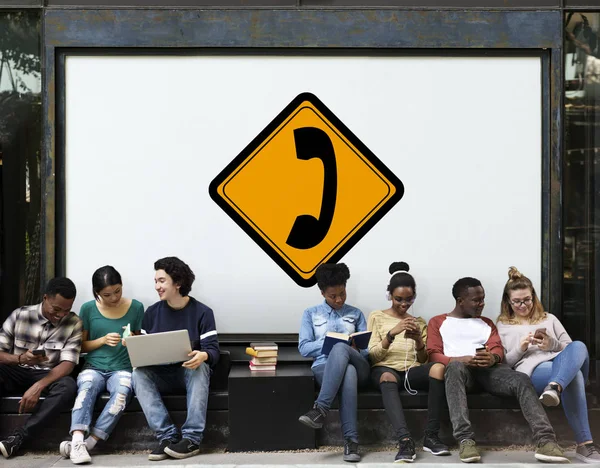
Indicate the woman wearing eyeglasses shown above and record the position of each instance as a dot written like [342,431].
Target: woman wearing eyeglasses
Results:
[538,345]
[399,357]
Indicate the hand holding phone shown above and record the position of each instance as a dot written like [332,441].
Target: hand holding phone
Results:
[539,334]
[33,357]
[483,358]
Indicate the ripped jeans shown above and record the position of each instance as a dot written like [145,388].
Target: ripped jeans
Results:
[90,384]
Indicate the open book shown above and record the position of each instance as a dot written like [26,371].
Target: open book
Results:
[361,340]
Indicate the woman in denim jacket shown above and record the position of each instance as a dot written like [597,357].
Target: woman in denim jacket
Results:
[345,368]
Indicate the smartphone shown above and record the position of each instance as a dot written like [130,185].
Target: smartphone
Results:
[39,352]
[539,333]
[481,348]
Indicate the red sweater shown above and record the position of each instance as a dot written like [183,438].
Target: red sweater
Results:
[461,338]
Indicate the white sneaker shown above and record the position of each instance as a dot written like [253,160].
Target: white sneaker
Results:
[79,453]
[550,396]
[65,448]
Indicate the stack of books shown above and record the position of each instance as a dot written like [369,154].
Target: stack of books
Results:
[264,356]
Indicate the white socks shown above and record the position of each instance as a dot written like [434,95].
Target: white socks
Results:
[90,442]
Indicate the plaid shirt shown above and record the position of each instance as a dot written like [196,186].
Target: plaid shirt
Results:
[27,328]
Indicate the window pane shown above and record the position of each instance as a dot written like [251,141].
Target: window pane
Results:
[20,152]
[581,213]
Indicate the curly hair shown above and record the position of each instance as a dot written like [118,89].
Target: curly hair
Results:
[462,286]
[332,274]
[61,285]
[517,280]
[180,273]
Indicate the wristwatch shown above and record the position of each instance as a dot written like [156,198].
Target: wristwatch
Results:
[390,338]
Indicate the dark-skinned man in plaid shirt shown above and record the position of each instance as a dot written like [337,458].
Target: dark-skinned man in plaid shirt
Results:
[39,347]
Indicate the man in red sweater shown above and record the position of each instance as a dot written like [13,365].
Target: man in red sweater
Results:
[470,348]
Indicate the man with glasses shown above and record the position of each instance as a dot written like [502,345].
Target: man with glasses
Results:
[470,347]
[39,347]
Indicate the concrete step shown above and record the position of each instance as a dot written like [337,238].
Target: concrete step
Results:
[500,428]
[322,458]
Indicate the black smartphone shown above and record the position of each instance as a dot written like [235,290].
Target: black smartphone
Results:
[481,348]
[39,352]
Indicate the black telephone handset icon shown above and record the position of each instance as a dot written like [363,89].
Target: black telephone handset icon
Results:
[308,231]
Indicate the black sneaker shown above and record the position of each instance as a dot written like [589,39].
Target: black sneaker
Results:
[184,449]
[407,451]
[351,451]
[11,444]
[159,453]
[314,418]
[433,444]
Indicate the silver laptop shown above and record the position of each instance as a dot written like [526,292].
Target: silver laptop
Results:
[159,348]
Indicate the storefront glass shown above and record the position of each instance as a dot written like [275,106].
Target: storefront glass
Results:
[20,153]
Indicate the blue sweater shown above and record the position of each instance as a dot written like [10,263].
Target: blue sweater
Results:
[197,318]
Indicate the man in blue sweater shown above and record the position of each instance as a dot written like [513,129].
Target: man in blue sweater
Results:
[176,310]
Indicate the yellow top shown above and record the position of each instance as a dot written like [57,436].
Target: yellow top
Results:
[401,354]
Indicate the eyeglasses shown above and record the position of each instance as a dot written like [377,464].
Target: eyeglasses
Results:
[401,300]
[518,303]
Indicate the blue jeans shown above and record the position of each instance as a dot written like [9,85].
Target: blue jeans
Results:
[149,382]
[341,375]
[570,369]
[92,382]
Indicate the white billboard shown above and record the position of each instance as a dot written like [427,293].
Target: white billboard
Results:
[146,135]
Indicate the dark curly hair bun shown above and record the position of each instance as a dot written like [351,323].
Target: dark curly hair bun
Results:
[398,266]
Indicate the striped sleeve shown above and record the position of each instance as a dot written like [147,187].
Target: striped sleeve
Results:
[376,351]
[209,341]
[7,333]
[72,347]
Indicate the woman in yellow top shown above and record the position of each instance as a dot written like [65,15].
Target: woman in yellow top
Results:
[399,358]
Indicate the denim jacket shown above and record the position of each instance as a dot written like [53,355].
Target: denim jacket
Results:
[321,319]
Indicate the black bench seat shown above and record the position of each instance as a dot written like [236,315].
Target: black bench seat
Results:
[217,399]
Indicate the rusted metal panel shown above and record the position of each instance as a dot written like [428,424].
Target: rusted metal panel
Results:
[512,4]
[592,4]
[413,4]
[48,237]
[175,3]
[554,251]
[20,3]
[303,28]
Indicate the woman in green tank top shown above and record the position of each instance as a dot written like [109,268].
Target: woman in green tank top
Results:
[107,366]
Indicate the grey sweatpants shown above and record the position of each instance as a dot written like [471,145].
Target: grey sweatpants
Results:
[499,380]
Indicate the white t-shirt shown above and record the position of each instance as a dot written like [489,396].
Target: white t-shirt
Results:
[461,337]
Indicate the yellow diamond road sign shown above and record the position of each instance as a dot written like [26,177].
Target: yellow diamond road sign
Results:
[306,189]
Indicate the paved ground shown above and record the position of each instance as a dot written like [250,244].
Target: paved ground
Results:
[328,458]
